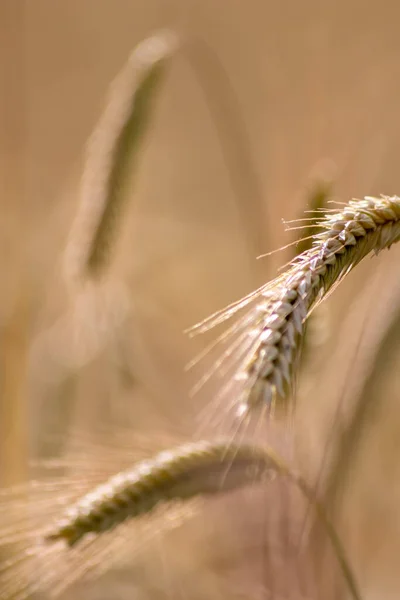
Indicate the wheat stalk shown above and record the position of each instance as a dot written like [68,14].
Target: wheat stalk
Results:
[271,331]
[226,114]
[380,343]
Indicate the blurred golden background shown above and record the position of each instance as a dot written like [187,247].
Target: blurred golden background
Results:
[311,83]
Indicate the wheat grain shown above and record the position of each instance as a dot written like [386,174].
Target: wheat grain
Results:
[272,328]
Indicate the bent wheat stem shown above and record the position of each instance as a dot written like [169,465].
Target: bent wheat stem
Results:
[275,319]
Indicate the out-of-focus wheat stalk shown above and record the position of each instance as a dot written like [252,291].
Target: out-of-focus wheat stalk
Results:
[115,143]
[113,155]
[364,401]
[227,119]
[13,390]
[98,308]
[270,334]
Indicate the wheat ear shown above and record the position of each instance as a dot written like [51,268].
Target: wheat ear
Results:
[117,141]
[272,328]
[195,469]
[174,476]
[109,163]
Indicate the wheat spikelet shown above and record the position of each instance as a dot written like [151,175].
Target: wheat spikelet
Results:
[269,334]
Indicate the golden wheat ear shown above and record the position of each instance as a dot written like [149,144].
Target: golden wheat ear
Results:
[104,507]
[56,532]
[259,352]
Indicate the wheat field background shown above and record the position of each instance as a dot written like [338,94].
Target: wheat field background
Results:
[315,84]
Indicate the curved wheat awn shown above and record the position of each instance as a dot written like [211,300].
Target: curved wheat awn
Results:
[93,529]
[260,350]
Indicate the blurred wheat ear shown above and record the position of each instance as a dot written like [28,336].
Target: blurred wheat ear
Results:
[113,156]
[110,161]
[98,307]
[116,144]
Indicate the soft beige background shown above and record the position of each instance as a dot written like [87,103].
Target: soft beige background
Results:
[313,81]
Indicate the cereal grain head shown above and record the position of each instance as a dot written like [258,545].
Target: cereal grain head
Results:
[262,347]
